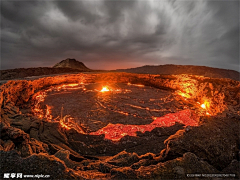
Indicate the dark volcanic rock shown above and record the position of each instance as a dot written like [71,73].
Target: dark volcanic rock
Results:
[14,138]
[185,69]
[64,156]
[38,71]
[123,159]
[177,168]
[35,164]
[71,63]
[233,168]
[212,147]
[216,141]
[123,173]
[8,145]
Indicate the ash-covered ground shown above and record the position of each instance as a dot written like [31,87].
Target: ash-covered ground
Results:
[48,125]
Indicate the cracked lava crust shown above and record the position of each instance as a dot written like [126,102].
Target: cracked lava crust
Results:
[122,125]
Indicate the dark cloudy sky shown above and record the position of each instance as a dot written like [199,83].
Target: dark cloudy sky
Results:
[114,34]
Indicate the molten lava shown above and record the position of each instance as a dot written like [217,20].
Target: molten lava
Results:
[206,107]
[105,89]
[63,124]
[139,85]
[115,132]
[203,106]
[66,122]
[184,95]
[48,112]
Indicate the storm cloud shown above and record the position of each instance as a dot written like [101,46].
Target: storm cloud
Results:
[120,34]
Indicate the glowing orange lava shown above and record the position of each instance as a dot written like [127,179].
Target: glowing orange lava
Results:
[105,89]
[206,106]
[115,132]
[73,85]
[65,122]
[203,106]
[48,112]
[64,125]
[139,85]
[185,95]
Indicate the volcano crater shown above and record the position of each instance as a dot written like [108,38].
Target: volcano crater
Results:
[123,103]
[164,115]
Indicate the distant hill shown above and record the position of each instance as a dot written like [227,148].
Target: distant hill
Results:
[71,63]
[185,69]
[39,71]
[65,66]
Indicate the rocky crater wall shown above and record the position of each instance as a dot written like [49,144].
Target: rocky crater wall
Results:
[223,94]
[211,147]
